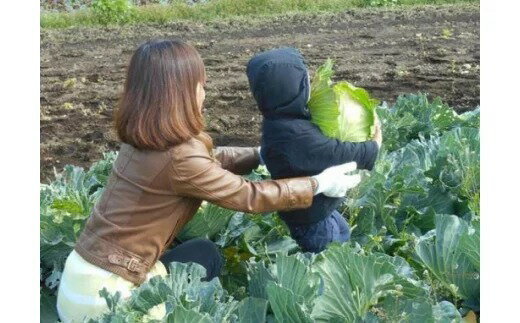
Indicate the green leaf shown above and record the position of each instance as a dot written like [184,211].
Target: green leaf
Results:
[417,310]
[341,111]
[183,315]
[182,287]
[322,104]
[294,273]
[101,170]
[283,244]
[112,301]
[354,283]
[356,122]
[259,174]
[67,205]
[209,220]
[258,276]
[471,118]
[450,252]
[413,115]
[48,312]
[438,175]
[53,280]
[285,305]
[446,312]
[470,243]
[237,225]
[252,310]
[457,165]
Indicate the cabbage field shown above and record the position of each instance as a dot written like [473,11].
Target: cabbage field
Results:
[414,254]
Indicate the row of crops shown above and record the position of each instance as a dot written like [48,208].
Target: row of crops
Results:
[414,255]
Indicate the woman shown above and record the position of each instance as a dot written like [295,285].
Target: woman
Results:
[165,168]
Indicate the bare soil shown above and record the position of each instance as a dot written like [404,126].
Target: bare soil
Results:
[387,51]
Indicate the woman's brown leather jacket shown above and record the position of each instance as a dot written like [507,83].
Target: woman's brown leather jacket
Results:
[151,195]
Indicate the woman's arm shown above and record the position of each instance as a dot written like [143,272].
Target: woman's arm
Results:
[238,160]
[195,174]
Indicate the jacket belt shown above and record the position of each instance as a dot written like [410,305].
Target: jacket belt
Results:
[130,263]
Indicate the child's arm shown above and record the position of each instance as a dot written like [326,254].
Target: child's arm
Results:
[363,153]
[338,152]
[318,152]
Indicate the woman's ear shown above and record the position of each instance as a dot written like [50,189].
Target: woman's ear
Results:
[201,95]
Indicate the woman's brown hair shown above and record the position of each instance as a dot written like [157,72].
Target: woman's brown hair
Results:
[158,108]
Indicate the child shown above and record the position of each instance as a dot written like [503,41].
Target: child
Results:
[292,146]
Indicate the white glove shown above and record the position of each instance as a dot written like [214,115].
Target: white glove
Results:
[334,181]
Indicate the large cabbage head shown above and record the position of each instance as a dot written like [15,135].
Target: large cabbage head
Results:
[341,110]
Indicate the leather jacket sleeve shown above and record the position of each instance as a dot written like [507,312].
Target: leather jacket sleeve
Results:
[238,160]
[194,173]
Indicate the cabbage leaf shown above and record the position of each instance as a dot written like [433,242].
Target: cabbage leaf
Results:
[209,220]
[341,110]
[451,253]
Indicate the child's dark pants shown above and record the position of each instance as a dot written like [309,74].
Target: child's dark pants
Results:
[315,237]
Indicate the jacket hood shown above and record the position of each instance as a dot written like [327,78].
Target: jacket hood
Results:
[279,82]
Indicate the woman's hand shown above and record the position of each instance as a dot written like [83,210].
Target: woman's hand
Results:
[378,136]
[334,181]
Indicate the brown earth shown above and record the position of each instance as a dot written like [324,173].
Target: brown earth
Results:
[388,51]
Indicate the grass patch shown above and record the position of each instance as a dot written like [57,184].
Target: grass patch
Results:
[213,10]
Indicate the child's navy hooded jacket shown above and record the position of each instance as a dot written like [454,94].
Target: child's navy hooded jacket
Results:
[291,145]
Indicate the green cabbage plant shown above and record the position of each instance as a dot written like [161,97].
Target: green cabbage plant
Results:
[341,110]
